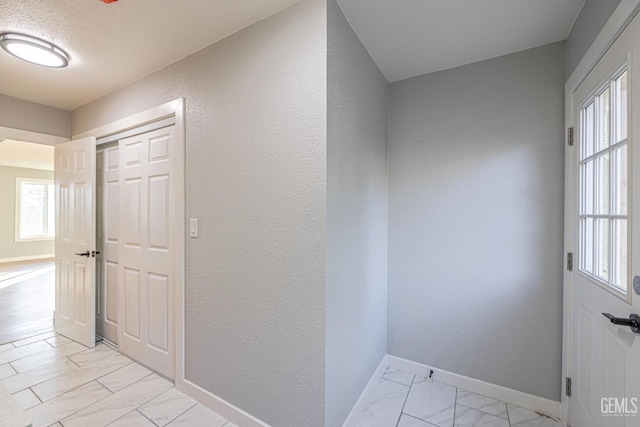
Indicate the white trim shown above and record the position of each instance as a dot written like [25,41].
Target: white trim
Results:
[169,121]
[160,112]
[365,396]
[28,136]
[180,242]
[219,405]
[524,400]
[26,258]
[618,21]
[177,108]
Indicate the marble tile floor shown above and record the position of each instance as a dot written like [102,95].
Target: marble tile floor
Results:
[401,399]
[58,382]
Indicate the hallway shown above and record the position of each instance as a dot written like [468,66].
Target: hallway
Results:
[27,300]
[59,382]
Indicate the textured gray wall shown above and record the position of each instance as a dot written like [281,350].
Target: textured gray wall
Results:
[256,179]
[357,192]
[476,173]
[588,25]
[20,114]
[8,246]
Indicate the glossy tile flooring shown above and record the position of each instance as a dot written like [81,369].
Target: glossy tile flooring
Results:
[61,383]
[402,399]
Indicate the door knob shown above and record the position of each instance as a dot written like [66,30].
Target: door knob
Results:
[86,253]
[633,321]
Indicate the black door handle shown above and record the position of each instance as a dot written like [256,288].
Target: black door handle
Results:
[633,321]
[86,253]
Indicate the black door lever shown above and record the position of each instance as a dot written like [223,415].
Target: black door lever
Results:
[87,254]
[633,321]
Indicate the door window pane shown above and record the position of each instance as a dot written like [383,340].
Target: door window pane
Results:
[620,254]
[586,245]
[586,186]
[587,131]
[619,178]
[621,107]
[602,248]
[602,135]
[602,184]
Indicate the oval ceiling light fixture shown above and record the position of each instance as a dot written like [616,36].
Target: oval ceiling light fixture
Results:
[34,50]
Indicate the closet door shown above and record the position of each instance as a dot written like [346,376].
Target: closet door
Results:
[108,230]
[146,249]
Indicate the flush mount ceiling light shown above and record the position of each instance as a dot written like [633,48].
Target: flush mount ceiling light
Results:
[34,50]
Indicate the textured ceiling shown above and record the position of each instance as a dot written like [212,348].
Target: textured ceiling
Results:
[112,45]
[408,38]
[20,154]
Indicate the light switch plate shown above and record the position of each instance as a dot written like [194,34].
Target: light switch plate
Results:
[193,227]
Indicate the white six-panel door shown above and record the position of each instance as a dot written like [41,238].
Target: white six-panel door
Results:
[605,223]
[108,235]
[75,240]
[146,249]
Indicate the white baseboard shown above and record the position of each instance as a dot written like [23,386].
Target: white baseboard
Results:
[26,258]
[544,406]
[524,400]
[366,394]
[219,405]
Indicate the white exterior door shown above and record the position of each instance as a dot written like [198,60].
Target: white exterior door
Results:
[147,248]
[75,183]
[108,211]
[605,228]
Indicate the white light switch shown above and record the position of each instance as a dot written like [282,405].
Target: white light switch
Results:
[193,227]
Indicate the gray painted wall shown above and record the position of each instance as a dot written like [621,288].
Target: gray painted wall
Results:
[476,161]
[592,18]
[20,114]
[357,196]
[9,248]
[256,179]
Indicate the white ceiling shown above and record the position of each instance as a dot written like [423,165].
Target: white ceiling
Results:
[112,45]
[20,154]
[407,38]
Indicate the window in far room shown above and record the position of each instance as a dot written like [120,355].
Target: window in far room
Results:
[35,210]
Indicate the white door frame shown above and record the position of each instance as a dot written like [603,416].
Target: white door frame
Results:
[35,138]
[28,136]
[175,109]
[621,17]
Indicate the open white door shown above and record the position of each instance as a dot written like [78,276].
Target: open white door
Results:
[605,222]
[75,182]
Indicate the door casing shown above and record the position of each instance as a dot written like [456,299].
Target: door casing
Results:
[170,109]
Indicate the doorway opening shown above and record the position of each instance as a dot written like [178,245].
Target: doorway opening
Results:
[27,232]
